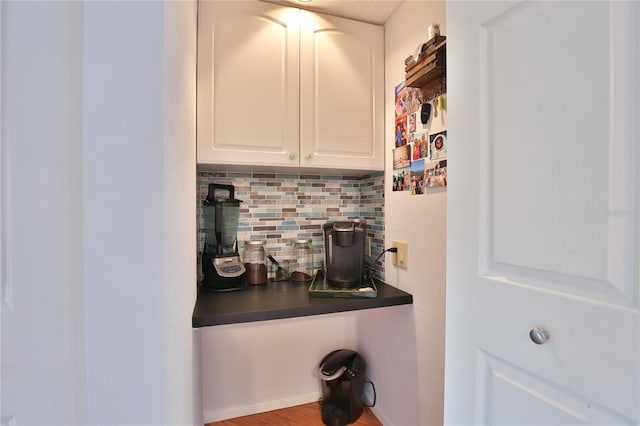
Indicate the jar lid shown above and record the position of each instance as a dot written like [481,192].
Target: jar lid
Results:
[302,241]
[256,242]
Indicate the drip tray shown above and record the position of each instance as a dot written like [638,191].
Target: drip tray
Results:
[320,288]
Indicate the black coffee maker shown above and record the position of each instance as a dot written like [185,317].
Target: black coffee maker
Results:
[342,374]
[221,265]
[344,253]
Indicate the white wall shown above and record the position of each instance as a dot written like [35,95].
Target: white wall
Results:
[261,366]
[419,220]
[139,224]
[99,129]
[179,209]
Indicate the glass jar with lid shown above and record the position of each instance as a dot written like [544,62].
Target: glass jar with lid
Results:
[302,262]
[255,262]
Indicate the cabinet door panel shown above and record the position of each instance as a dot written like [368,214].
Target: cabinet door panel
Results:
[248,83]
[341,87]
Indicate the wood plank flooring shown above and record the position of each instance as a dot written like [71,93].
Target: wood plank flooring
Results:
[305,415]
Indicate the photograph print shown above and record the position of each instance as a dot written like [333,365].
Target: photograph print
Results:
[435,176]
[420,145]
[438,146]
[401,179]
[401,157]
[417,181]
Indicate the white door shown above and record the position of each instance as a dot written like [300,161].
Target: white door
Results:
[543,213]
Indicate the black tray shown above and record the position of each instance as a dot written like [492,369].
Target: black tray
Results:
[320,288]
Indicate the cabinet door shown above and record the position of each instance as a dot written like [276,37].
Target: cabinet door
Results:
[248,78]
[341,93]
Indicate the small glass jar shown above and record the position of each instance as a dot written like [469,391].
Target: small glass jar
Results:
[433,30]
[302,262]
[255,262]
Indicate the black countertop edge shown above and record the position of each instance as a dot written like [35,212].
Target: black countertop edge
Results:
[283,300]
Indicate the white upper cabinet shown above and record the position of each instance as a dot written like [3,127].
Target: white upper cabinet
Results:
[282,87]
[248,85]
[341,93]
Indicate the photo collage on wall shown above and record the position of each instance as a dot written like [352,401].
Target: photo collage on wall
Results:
[420,152]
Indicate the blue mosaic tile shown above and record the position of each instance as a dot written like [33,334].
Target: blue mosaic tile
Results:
[260,215]
[235,175]
[282,207]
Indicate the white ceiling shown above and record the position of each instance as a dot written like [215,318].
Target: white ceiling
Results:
[373,11]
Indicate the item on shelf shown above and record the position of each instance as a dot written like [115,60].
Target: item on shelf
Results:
[303,260]
[344,252]
[221,265]
[255,262]
[320,287]
[281,273]
[433,30]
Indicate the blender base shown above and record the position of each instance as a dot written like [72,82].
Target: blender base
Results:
[214,280]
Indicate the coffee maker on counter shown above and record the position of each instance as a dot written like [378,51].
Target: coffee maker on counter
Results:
[344,253]
[221,265]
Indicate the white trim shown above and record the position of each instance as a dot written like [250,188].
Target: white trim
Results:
[7,293]
[245,410]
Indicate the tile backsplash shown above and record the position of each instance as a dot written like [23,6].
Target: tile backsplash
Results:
[279,208]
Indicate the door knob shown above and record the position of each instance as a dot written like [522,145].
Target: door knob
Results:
[293,156]
[309,157]
[539,335]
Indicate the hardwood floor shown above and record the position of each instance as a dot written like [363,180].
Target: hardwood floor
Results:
[305,415]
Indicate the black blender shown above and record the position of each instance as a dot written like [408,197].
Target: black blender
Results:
[221,265]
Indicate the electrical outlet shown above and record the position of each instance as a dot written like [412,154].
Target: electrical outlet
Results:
[401,257]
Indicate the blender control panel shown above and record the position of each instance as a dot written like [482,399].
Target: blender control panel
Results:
[229,267]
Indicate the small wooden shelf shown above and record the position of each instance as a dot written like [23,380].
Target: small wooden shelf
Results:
[429,72]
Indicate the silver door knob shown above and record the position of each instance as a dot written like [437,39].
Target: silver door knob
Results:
[539,335]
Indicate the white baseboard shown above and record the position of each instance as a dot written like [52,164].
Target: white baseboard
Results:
[380,416]
[261,407]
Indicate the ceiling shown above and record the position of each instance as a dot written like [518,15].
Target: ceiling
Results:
[372,11]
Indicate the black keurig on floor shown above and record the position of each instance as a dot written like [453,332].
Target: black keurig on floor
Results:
[342,374]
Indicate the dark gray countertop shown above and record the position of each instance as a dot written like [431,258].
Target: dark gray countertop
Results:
[277,300]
